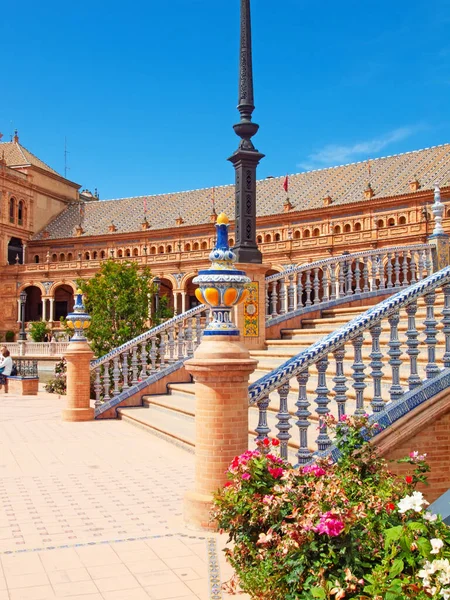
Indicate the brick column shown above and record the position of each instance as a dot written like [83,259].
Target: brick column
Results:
[221,367]
[78,408]
[250,338]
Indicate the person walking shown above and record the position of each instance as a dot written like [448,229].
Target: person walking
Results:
[6,365]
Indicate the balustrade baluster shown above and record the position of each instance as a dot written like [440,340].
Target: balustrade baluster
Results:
[267,300]
[189,345]
[304,455]
[325,291]
[428,261]
[412,266]
[357,277]
[405,268]
[413,345]
[125,385]
[308,287]
[116,375]
[316,286]
[180,341]
[376,365]
[333,281]
[171,344]
[291,293]
[283,296]
[283,418]
[373,274]
[134,366]
[366,287]
[446,325]
[144,360]
[340,389]
[389,270]
[323,440]
[358,374]
[274,298]
[430,323]
[349,291]
[106,381]
[397,269]
[299,291]
[262,428]
[420,266]
[98,387]
[162,350]
[153,354]
[198,329]
[381,278]
[341,279]
[396,390]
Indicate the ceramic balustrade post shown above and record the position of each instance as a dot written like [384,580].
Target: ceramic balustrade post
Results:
[397,268]
[106,381]
[180,340]
[316,286]
[283,418]
[405,268]
[394,352]
[357,277]
[125,373]
[376,364]
[420,266]
[299,290]
[189,344]
[171,345]
[144,355]
[262,429]
[374,265]
[323,440]
[359,367]
[283,296]
[431,331]
[341,280]
[116,375]
[274,298]
[446,325]
[98,387]
[153,354]
[134,365]
[349,291]
[366,287]
[412,344]
[340,389]
[333,281]
[268,301]
[291,293]
[302,413]
[78,356]
[381,276]
[198,329]
[412,266]
[308,288]
[325,290]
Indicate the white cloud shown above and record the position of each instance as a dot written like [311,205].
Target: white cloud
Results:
[334,154]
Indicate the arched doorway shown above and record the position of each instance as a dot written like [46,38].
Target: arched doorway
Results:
[63,303]
[15,249]
[191,299]
[33,305]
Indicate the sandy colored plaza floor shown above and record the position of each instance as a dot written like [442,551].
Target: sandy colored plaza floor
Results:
[94,511]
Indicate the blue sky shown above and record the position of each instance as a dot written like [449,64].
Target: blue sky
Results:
[146,92]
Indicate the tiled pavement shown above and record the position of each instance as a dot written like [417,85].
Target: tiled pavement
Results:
[94,511]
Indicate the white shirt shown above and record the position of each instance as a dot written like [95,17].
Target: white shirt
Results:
[7,363]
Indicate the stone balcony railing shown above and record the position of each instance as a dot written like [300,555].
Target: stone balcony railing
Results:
[37,349]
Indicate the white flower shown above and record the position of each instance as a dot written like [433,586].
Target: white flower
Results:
[429,517]
[414,502]
[436,545]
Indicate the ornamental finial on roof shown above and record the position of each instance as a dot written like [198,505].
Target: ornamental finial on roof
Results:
[16,137]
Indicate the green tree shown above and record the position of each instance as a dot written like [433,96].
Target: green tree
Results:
[38,329]
[117,298]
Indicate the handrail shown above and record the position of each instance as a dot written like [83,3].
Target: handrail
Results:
[344,258]
[147,335]
[320,349]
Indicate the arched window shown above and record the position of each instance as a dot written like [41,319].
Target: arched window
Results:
[380,224]
[62,257]
[204,246]
[306,233]
[12,209]
[120,253]
[195,246]
[102,254]
[337,229]
[36,258]
[357,226]
[402,220]
[187,248]
[347,228]
[297,234]
[231,242]
[128,252]
[268,238]
[391,222]
[70,256]
[316,232]
[54,257]
[277,237]
[259,239]
[153,250]
[161,250]
[95,255]
[20,213]
[87,256]
[169,248]
[136,252]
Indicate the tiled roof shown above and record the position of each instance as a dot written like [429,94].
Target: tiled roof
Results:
[390,176]
[17,156]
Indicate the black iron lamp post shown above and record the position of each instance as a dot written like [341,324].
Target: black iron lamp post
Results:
[23,300]
[157,283]
[246,158]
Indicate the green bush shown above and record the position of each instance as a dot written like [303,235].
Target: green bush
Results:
[9,336]
[38,329]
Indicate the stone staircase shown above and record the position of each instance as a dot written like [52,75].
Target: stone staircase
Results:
[172,415]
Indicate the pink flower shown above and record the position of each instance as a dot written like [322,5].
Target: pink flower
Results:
[329,525]
[228,483]
[275,442]
[267,499]
[314,469]
[343,418]
[275,472]
[266,442]
[246,476]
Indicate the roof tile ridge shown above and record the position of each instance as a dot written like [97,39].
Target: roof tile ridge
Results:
[22,148]
[216,187]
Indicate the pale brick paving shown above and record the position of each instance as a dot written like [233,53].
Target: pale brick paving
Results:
[90,487]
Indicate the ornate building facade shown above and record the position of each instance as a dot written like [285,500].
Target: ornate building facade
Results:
[51,234]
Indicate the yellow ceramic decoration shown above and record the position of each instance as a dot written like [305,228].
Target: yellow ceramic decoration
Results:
[244,296]
[229,297]
[222,219]
[211,296]
[199,295]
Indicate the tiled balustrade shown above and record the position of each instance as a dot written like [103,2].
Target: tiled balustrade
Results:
[408,363]
[153,351]
[340,277]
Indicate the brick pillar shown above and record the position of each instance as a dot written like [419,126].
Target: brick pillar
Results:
[78,407]
[246,315]
[221,367]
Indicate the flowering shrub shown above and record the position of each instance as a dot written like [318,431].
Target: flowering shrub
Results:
[349,529]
